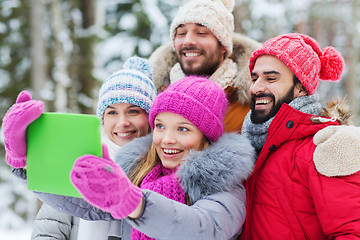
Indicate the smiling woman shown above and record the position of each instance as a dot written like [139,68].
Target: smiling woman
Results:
[125,99]
[124,102]
[125,121]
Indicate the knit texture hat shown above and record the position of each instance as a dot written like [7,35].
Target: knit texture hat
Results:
[197,99]
[303,56]
[133,84]
[216,15]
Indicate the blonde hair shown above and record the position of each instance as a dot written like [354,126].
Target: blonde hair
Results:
[146,164]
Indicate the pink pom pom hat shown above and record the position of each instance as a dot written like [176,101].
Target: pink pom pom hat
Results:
[303,55]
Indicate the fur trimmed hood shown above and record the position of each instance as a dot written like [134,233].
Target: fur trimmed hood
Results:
[338,108]
[220,167]
[163,59]
[337,147]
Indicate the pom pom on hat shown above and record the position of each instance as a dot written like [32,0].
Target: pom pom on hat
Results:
[303,56]
[229,4]
[197,99]
[216,15]
[133,84]
[332,64]
[139,64]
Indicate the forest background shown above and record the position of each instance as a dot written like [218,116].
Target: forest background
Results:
[61,51]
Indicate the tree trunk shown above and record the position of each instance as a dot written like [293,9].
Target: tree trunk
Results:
[38,55]
[87,83]
[61,60]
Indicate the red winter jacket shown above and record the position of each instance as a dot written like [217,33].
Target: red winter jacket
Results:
[287,198]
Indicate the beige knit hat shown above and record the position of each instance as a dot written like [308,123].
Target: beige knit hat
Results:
[216,15]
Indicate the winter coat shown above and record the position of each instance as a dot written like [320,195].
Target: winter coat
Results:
[163,59]
[52,224]
[289,196]
[212,178]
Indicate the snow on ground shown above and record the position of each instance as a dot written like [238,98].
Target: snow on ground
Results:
[16,234]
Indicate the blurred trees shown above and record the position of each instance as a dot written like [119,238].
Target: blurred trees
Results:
[330,22]
[62,50]
[15,63]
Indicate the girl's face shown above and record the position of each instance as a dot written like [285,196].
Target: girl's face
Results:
[125,121]
[174,136]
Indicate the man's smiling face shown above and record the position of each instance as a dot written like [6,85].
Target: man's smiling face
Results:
[272,85]
[197,49]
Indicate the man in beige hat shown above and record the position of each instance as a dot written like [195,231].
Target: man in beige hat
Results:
[204,43]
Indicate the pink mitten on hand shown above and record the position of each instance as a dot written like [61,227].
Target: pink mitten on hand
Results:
[105,185]
[14,125]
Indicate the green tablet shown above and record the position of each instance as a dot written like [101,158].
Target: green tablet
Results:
[54,142]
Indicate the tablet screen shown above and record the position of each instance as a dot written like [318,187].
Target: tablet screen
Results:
[54,142]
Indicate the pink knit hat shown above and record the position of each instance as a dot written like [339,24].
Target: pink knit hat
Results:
[302,54]
[197,99]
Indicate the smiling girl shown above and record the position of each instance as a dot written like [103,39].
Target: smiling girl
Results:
[188,160]
[184,181]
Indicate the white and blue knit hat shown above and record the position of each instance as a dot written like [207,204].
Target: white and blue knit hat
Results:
[133,84]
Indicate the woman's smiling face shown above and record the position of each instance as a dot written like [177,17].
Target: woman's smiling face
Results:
[124,121]
[174,136]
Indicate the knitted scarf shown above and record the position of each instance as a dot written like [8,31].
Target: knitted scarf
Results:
[164,182]
[257,133]
[224,75]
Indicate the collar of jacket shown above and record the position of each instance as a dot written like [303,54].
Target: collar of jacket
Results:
[289,124]
[163,59]
[220,167]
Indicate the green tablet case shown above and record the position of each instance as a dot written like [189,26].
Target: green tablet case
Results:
[54,142]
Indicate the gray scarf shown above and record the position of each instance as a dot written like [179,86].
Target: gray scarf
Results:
[257,133]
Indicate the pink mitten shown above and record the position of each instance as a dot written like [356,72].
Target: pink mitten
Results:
[105,185]
[14,125]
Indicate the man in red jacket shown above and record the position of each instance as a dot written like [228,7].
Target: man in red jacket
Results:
[302,187]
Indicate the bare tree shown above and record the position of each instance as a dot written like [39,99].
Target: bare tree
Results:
[38,54]
[61,59]
[83,66]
